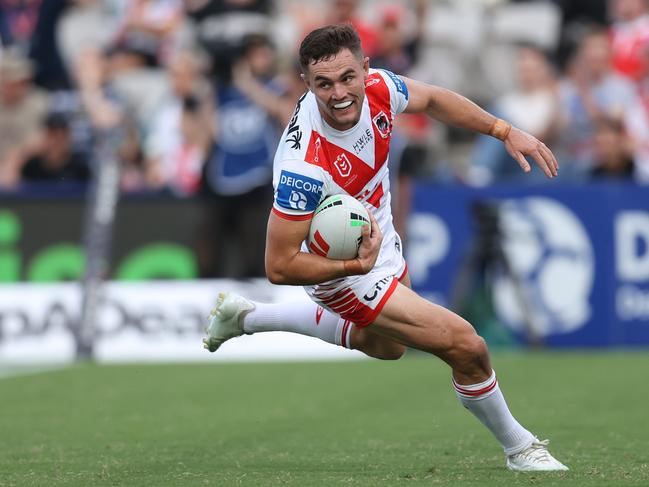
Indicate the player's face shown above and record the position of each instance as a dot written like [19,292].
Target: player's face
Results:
[339,86]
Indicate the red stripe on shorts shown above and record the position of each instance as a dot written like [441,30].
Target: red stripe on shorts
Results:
[363,315]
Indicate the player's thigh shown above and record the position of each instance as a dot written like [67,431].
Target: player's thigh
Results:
[376,345]
[415,322]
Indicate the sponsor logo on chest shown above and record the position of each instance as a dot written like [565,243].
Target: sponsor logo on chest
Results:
[365,138]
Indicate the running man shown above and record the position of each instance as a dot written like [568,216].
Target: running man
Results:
[337,143]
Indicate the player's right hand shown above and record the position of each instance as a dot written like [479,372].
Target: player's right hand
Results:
[368,252]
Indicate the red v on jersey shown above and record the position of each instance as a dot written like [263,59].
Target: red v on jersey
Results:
[348,170]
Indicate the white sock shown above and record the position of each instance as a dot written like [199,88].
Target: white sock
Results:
[487,403]
[303,317]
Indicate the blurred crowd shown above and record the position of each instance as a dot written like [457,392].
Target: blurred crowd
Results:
[201,90]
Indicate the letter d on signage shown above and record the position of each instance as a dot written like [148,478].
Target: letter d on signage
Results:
[632,245]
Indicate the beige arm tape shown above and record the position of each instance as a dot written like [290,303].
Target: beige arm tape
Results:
[500,129]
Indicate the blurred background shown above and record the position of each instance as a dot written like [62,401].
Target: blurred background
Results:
[136,144]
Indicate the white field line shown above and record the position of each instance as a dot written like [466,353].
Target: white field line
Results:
[7,371]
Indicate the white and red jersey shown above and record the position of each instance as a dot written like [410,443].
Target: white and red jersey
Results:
[629,46]
[314,161]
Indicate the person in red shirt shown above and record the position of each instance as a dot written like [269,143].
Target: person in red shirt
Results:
[630,37]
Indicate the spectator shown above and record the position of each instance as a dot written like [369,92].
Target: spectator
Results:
[534,106]
[277,98]
[630,37]
[591,91]
[54,159]
[337,12]
[5,30]
[237,173]
[397,51]
[342,11]
[137,80]
[18,19]
[105,112]
[397,42]
[575,14]
[177,143]
[223,25]
[50,74]
[87,24]
[22,107]
[613,152]
[153,23]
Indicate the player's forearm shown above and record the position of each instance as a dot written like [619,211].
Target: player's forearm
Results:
[453,109]
[304,269]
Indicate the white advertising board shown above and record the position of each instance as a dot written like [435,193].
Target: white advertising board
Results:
[153,321]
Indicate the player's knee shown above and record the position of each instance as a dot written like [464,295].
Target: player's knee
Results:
[477,346]
[470,348]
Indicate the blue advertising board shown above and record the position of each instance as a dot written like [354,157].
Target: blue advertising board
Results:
[561,265]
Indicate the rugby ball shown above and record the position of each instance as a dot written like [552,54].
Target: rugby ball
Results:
[336,228]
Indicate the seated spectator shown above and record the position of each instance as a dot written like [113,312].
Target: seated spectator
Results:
[342,11]
[134,75]
[533,106]
[22,107]
[592,91]
[222,27]
[630,37]
[54,159]
[51,74]
[338,12]
[154,22]
[18,19]
[106,113]
[176,145]
[613,151]
[398,43]
[87,24]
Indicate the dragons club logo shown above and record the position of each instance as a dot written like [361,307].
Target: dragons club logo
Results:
[551,253]
[382,124]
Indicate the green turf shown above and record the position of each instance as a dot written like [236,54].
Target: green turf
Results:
[366,423]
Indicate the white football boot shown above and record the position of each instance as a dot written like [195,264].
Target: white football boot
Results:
[226,320]
[535,458]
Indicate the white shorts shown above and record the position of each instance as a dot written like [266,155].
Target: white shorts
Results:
[360,299]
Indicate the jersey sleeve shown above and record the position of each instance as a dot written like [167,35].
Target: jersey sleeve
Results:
[299,188]
[398,90]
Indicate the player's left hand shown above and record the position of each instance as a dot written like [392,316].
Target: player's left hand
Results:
[520,144]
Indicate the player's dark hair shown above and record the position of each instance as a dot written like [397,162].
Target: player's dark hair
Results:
[324,43]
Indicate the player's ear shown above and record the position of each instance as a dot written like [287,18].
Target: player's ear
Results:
[306,80]
[366,66]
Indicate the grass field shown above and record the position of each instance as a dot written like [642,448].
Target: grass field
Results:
[365,423]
